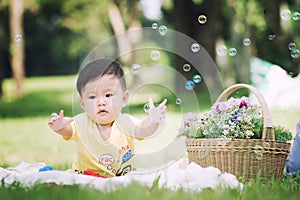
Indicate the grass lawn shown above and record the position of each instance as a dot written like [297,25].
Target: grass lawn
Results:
[25,136]
[288,188]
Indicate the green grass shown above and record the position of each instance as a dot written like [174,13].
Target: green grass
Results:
[31,140]
[25,136]
[286,188]
[42,96]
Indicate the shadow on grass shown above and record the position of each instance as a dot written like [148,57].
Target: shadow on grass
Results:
[36,104]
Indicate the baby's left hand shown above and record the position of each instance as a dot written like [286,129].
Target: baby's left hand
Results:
[157,114]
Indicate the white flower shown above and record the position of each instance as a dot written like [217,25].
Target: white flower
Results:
[226,126]
[225,131]
[249,134]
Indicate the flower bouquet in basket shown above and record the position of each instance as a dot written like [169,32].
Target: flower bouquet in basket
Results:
[237,137]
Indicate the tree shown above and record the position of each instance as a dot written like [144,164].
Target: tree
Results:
[185,15]
[4,38]
[185,18]
[118,23]
[17,44]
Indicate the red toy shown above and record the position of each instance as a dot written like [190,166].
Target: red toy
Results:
[92,173]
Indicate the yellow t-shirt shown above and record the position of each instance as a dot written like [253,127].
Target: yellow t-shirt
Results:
[113,157]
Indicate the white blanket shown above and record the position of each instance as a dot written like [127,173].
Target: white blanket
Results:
[179,175]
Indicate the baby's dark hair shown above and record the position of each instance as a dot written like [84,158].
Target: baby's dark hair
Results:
[98,68]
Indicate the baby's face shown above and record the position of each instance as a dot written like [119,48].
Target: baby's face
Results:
[103,99]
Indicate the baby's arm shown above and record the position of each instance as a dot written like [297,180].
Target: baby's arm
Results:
[157,115]
[61,125]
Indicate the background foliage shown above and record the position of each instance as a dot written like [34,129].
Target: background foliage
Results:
[58,34]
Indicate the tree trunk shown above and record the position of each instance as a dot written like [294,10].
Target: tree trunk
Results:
[126,40]
[240,62]
[205,34]
[17,44]
[208,32]
[2,74]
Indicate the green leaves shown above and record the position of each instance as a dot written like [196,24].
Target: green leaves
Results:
[282,134]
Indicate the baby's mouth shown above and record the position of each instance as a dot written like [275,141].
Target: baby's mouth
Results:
[102,111]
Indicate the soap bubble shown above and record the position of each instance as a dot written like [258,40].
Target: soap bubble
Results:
[154,25]
[202,19]
[178,101]
[295,53]
[285,14]
[247,42]
[197,78]
[195,47]
[258,149]
[221,50]
[135,69]
[189,85]
[18,38]
[232,51]
[296,16]
[53,115]
[222,140]
[162,30]
[186,67]
[155,55]
[292,46]
[146,108]
[271,37]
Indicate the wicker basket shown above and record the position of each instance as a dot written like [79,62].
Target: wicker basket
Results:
[246,158]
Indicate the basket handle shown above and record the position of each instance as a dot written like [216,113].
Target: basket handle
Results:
[268,131]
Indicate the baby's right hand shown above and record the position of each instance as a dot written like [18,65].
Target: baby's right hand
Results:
[59,122]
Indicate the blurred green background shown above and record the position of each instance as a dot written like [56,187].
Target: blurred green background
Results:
[58,35]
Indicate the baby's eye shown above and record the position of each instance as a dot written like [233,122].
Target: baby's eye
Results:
[108,95]
[92,97]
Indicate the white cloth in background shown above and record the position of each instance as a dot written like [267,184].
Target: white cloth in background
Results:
[179,175]
[278,88]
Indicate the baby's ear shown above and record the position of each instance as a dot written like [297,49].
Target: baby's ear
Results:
[125,98]
[81,103]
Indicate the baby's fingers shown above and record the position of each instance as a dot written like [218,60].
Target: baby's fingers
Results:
[151,104]
[163,103]
[61,114]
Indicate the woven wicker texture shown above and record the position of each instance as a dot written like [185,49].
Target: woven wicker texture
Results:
[246,158]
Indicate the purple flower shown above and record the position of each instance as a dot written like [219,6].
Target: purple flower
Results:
[186,124]
[221,107]
[201,120]
[233,102]
[243,104]
[189,118]
[232,118]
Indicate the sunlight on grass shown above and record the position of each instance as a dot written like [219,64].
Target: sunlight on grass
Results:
[287,118]
[31,140]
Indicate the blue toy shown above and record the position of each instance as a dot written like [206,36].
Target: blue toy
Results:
[46,168]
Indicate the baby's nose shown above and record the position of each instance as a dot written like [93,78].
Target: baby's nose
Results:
[101,101]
